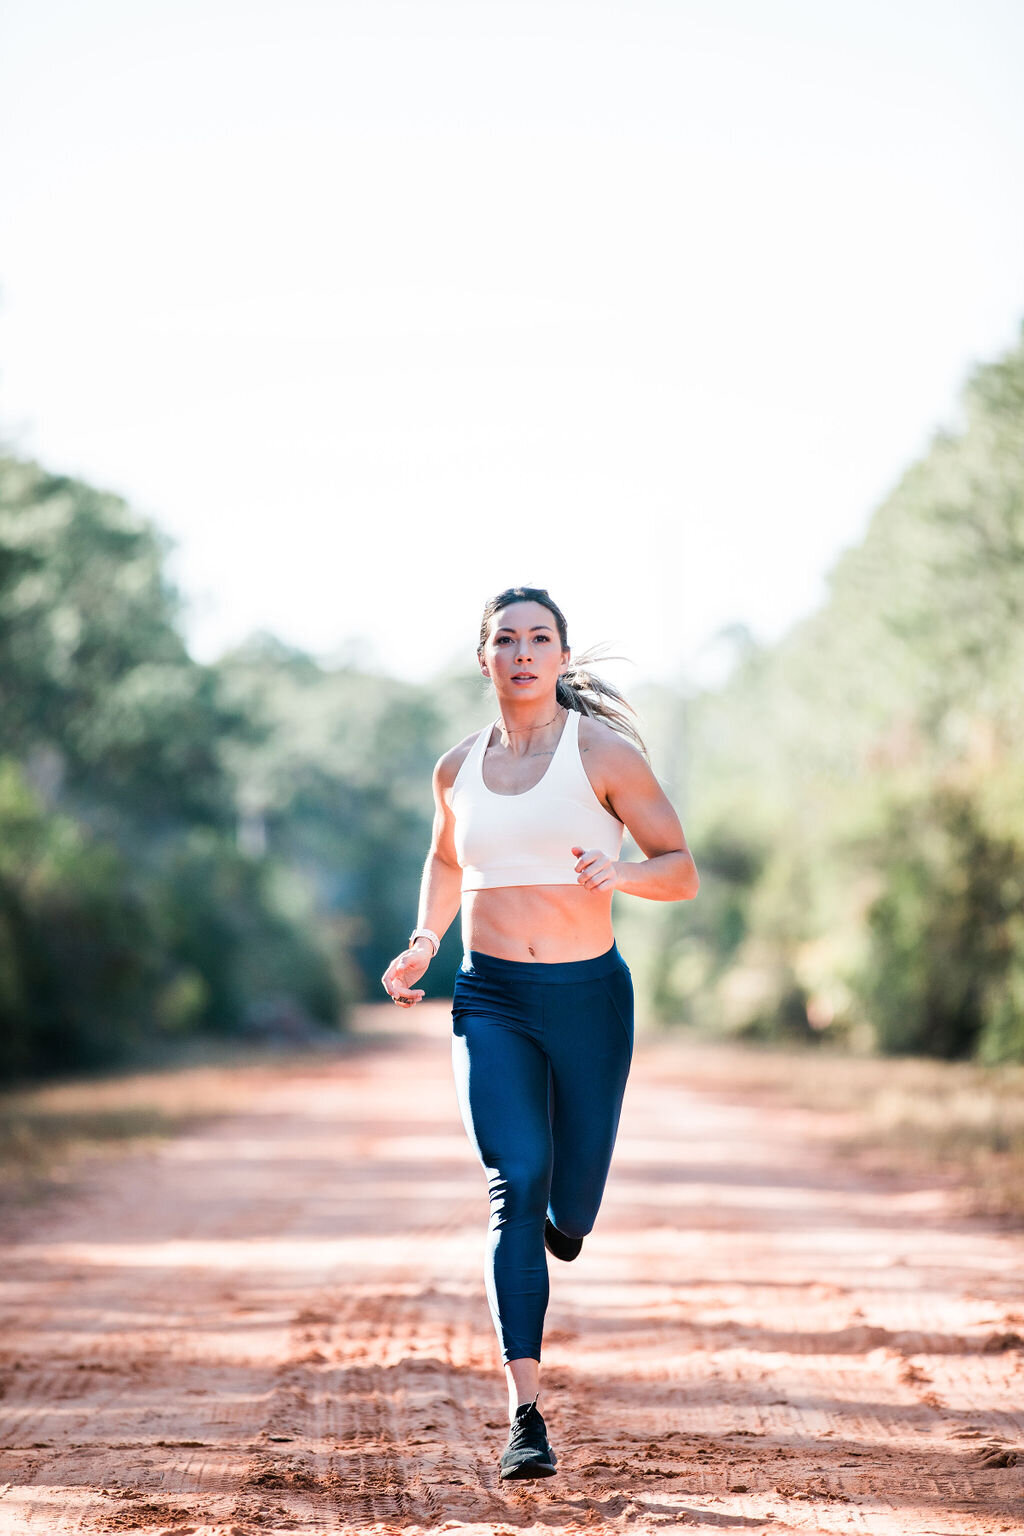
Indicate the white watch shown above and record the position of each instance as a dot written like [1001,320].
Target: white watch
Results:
[425,933]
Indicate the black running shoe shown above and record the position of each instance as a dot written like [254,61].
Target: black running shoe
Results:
[528,1453]
[557,1243]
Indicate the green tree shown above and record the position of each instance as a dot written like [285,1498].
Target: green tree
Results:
[902,689]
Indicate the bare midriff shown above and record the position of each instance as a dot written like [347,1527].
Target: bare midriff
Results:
[546,923]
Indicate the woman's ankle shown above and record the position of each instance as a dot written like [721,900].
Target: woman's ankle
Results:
[523,1380]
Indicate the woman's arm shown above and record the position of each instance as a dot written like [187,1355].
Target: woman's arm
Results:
[440,889]
[441,884]
[623,779]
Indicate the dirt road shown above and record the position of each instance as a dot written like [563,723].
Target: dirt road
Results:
[277,1323]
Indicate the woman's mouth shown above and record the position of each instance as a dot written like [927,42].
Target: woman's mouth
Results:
[524,677]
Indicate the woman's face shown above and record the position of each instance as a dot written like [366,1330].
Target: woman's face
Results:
[523,654]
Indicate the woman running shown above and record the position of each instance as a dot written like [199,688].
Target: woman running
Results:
[528,823]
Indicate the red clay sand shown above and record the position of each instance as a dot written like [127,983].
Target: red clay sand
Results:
[277,1323]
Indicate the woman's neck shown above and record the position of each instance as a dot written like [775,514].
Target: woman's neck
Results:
[522,732]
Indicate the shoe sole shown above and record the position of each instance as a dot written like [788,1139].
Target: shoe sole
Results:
[527,1469]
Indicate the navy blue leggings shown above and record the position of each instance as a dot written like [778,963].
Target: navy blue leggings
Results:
[541,1055]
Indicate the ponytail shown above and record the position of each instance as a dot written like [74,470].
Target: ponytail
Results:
[579,688]
[582,690]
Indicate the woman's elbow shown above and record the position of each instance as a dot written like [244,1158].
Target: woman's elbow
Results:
[689,883]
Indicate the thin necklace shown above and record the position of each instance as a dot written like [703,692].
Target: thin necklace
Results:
[518,730]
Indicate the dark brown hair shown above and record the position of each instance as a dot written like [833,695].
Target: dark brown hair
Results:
[579,688]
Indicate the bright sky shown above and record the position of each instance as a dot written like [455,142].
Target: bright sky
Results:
[379,307]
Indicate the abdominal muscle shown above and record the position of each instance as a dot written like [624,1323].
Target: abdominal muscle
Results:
[546,923]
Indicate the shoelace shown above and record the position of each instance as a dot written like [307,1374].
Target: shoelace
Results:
[522,1429]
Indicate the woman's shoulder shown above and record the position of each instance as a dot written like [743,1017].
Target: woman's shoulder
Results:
[611,762]
[446,769]
[605,745]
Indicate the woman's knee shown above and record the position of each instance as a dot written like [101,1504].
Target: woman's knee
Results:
[573,1220]
[519,1190]
[575,1200]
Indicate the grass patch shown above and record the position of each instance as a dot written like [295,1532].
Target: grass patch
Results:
[959,1120]
[50,1131]
[42,1147]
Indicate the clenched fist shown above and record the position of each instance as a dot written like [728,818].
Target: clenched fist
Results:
[595,869]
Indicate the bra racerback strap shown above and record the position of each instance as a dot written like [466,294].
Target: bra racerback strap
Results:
[567,753]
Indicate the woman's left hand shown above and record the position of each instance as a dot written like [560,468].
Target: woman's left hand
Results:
[595,869]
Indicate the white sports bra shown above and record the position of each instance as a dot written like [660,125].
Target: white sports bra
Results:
[526,839]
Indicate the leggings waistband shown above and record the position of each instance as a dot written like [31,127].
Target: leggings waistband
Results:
[561,972]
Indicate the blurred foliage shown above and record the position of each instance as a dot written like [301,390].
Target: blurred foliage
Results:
[947,934]
[228,849]
[338,787]
[237,848]
[76,963]
[858,788]
[128,910]
[97,691]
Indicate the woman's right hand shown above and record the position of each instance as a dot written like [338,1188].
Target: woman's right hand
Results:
[404,970]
